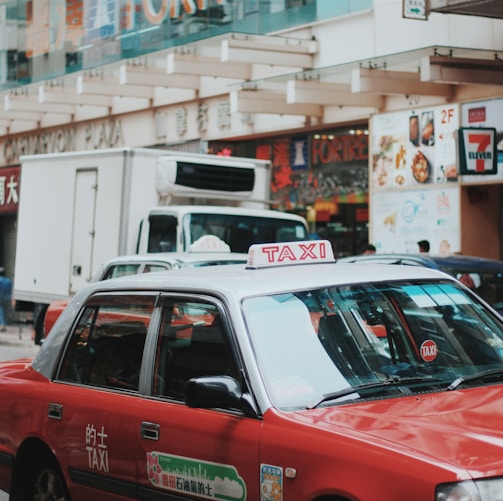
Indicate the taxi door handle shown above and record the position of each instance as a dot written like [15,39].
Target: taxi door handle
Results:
[55,411]
[150,430]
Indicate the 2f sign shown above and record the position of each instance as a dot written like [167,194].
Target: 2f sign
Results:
[477,151]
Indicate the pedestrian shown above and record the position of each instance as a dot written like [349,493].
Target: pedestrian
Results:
[5,299]
[424,246]
[369,249]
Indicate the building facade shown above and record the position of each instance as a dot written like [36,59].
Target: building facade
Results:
[329,91]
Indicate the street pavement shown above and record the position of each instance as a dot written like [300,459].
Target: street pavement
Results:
[16,341]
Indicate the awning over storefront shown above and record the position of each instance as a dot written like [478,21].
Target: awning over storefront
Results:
[259,74]
[483,8]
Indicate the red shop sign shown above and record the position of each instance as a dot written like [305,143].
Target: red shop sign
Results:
[9,190]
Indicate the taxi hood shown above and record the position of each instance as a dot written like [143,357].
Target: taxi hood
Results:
[462,427]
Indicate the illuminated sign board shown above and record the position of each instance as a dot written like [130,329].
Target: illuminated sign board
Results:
[477,150]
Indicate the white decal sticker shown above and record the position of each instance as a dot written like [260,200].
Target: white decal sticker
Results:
[96,447]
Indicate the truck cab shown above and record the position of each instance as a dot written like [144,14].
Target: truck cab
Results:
[177,228]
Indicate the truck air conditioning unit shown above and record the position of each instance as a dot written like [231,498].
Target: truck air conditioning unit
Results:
[204,178]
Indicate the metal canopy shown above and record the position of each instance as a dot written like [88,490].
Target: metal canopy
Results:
[483,8]
[259,74]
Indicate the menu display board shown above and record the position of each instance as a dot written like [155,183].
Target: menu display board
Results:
[401,220]
[414,148]
[414,174]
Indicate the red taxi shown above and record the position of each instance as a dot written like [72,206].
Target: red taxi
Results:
[288,378]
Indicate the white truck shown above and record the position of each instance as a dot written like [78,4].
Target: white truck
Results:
[78,210]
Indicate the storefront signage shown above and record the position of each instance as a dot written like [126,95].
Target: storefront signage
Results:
[322,170]
[99,135]
[188,123]
[174,7]
[9,190]
[477,150]
[97,19]
[329,149]
[483,114]
[414,148]
[54,141]
[104,135]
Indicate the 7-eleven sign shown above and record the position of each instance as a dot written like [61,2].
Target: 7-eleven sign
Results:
[477,150]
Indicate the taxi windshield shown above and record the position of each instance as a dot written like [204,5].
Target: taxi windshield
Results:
[332,346]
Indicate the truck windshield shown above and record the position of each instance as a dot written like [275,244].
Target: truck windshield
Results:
[240,231]
[346,343]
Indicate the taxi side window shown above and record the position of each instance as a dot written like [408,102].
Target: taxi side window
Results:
[192,343]
[106,346]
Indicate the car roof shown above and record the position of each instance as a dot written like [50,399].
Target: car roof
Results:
[240,281]
[178,257]
[391,258]
[453,261]
[473,262]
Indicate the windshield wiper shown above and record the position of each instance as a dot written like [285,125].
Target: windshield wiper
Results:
[387,383]
[473,377]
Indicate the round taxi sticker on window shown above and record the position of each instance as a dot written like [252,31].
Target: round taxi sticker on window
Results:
[429,350]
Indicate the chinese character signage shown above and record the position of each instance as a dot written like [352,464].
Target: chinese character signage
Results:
[477,150]
[9,190]
[322,170]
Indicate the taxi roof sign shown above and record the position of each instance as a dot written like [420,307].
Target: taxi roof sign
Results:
[288,253]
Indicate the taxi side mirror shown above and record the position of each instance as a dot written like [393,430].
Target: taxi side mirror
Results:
[209,392]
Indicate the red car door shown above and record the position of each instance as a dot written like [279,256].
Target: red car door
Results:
[198,453]
[93,440]
[93,404]
[192,452]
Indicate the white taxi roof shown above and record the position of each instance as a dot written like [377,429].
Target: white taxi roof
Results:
[245,280]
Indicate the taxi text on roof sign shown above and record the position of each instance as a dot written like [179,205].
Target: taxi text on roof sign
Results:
[279,254]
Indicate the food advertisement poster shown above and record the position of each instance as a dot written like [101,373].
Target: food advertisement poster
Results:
[401,220]
[414,148]
[485,114]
